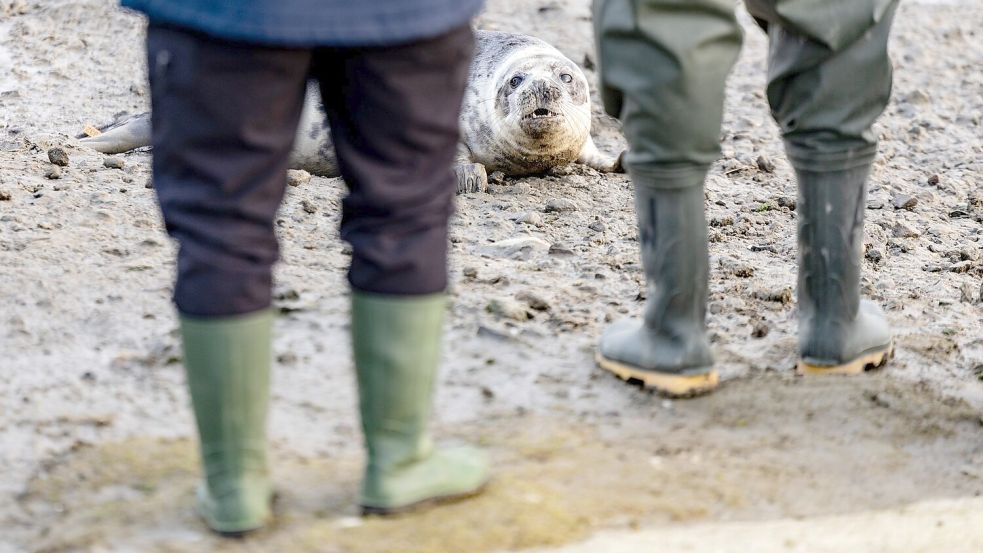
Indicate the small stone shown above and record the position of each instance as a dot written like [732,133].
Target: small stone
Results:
[588,63]
[557,205]
[113,162]
[509,309]
[875,204]
[5,196]
[721,221]
[298,177]
[497,177]
[58,157]
[765,164]
[961,267]
[782,296]
[530,218]
[597,226]
[487,393]
[933,180]
[901,230]
[53,172]
[470,272]
[760,330]
[533,301]
[744,271]
[308,206]
[874,255]
[149,184]
[904,201]
[916,97]
[970,294]
[524,246]
[785,201]
[560,249]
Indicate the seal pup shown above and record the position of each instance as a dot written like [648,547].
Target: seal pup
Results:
[526,110]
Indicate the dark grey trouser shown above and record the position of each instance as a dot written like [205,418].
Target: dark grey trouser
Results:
[663,64]
[224,120]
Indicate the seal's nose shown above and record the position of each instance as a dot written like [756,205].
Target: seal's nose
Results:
[542,112]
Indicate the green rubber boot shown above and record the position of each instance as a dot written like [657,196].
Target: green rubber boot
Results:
[839,333]
[668,349]
[228,366]
[397,348]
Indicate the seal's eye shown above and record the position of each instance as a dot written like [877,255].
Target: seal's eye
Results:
[566,77]
[515,81]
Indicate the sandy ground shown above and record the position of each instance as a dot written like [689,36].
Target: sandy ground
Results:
[95,448]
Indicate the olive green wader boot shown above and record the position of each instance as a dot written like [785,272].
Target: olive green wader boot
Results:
[839,333]
[668,349]
[228,364]
[397,347]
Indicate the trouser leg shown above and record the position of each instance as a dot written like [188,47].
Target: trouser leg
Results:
[829,79]
[224,117]
[663,65]
[394,123]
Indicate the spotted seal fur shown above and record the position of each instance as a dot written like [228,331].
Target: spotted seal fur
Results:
[526,110]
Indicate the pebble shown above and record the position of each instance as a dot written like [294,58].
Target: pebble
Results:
[933,180]
[534,301]
[530,218]
[113,162]
[58,157]
[308,206]
[560,249]
[508,308]
[470,272]
[298,177]
[765,164]
[744,271]
[782,296]
[557,205]
[497,177]
[904,201]
[962,267]
[597,226]
[874,255]
[901,230]
[517,247]
[5,196]
[970,294]
[53,172]
[875,204]
[760,330]
[785,201]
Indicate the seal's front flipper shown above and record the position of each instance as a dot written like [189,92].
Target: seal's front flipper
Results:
[121,135]
[592,157]
[471,177]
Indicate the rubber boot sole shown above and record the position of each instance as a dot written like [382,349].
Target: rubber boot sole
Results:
[425,504]
[239,533]
[865,362]
[668,384]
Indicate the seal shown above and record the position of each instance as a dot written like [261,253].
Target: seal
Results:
[526,110]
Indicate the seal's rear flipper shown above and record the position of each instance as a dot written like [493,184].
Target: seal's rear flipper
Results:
[592,157]
[122,135]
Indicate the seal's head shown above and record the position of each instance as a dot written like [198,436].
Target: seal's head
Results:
[545,100]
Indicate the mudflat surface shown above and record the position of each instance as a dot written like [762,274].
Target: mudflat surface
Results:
[95,432]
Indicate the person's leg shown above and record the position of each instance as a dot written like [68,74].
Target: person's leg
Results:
[829,78]
[663,65]
[224,117]
[395,128]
